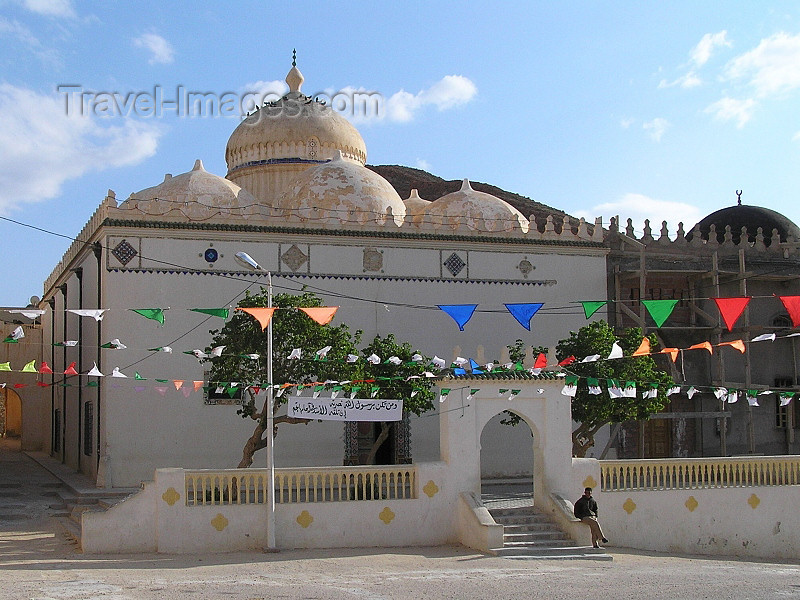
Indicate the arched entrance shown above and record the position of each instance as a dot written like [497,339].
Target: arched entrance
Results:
[10,413]
[507,459]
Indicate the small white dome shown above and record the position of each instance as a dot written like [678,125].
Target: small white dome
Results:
[198,185]
[415,206]
[343,191]
[482,212]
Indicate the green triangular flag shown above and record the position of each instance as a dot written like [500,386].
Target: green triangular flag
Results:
[30,367]
[660,310]
[92,384]
[231,391]
[6,366]
[157,314]
[592,306]
[139,377]
[10,340]
[214,312]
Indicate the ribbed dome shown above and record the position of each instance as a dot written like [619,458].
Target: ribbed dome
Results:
[198,185]
[343,191]
[483,212]
[751,217]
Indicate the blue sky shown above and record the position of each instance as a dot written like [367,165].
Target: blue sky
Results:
[645,110]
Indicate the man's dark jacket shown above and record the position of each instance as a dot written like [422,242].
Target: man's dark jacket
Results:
[585,507]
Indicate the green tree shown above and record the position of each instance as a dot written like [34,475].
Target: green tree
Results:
[243,337]
[594,411]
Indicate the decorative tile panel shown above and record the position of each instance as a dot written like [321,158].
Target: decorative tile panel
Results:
[294,258]
[124,252]
[455,264]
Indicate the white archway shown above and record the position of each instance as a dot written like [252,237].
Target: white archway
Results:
[507,458]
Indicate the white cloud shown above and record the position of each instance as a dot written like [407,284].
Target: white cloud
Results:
[639,207]
[45,147]
[656,128]
[448,92]
[25,38]
[705,47]
[772,68]
[51,8]
[689,80]
[423,164]
[626,122]
[161,51]
[256,93]
[731,109]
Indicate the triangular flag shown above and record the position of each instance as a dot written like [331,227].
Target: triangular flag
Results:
[114,344]
[295,354]
[570,386]
[567,361]
[443,394]
[261,314]
[592,306]
[45,368]
[214,312]
[42,384]
[30,313]
[591,358]
[461,313]
[523,313]
[92,384]
[702,346]
[178,383]
[731,309]
[475,367]
[673,353]
[197,385]
[166,349]
[15,336]
[439,363]
[614,389]
[643,349]
[594,386]
[629,389]
[616,351]
[322,353]
[157,314]
[660,310]
[513,394]
[652,392]
[472,393]
[752,397]
[792,304]
[30,367]
[186,392]
[374,359]
[138,377]
[676,389]
[321,314]
[217,352]
[733,396]
[161,389]
[786,397]
[117,373]
[721,393]
[738,344]
[541,361]
[764,337]
[6,366]
[691,391]
[70,370]
[95,372]
[95,313]
[394,360]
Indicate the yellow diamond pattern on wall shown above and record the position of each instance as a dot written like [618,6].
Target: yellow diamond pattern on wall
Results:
[219,522]
[629,506]
[171,496]
[753,501]
[590,482]
[431,489]
[691,503]
[304,519]
[386,515]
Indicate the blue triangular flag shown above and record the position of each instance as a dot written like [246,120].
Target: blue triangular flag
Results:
[475,367]
[461,313]
[459,371]
[524,312]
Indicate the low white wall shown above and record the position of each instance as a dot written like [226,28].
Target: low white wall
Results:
[129,526]
[754,521]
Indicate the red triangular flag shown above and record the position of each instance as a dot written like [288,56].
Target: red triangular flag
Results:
[255,389]
[792,304]
[45,368]
[262,315]
[731,309]
[42,384]
[20,385]
[567,361]
[321,314]
[541,361]
[70,370]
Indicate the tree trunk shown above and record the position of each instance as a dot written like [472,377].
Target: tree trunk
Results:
[583,439]
[254,443]
[382,437]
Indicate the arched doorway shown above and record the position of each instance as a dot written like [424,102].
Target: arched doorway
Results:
[507,460]
[10,413]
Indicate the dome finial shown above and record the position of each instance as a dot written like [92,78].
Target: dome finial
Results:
[295,78]
[739,197]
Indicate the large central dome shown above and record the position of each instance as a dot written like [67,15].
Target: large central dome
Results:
[280,139]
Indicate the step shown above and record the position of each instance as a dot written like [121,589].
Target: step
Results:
[553,552]
[534,536]
[523,527]
[72,530]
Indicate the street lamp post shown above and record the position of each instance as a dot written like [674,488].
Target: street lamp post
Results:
[247,261]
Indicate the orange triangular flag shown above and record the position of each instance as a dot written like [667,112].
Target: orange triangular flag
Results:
[644,348]
[262,315]
[731,309]
[45,368]
[702,346]
[197,385]
[541,361]
[673,353]
[321,314]
[178,383]
[738,344]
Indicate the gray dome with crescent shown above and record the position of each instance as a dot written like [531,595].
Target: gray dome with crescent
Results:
[751,217]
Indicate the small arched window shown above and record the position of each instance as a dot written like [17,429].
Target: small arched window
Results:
[782,321]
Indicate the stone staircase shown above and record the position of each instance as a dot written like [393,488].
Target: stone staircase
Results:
[71,504]
[530,534]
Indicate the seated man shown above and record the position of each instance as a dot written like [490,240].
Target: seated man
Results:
[586,511]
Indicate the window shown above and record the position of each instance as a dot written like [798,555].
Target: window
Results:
[88,427]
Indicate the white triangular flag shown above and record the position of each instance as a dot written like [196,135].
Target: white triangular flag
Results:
[252,356]
[217,351]
[721,393]
[351,358]
[117,373]
[733,397]
[691,391]
[31,313]
[591,358]
[95,372]
[437,362]
[616,351]
[460,361]
[766,337]
[752,400]
[394,360]
[295,354]
[674,390]
[96,314]
[199,354]
[374,359]
[417,358]
[323,352]
[595,390]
